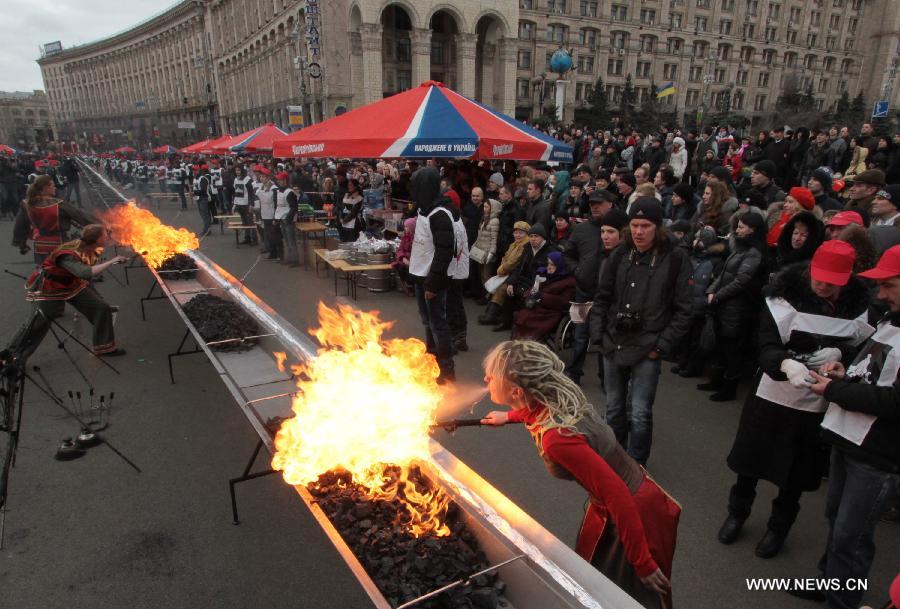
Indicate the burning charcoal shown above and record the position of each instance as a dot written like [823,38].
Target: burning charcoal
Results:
[218,319]
[178,266]
[402,566]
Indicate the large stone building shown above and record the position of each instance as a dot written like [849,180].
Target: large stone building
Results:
[211,66]
[24,119]
[744,51]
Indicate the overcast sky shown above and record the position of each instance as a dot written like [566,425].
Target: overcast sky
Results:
[25,26]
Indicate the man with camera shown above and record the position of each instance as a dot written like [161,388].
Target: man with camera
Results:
[642,309]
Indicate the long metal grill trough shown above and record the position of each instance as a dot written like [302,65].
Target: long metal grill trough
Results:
[550,576]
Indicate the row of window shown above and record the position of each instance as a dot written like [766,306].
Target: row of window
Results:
[693,98]
[559,33]
[585,63]
[589,8]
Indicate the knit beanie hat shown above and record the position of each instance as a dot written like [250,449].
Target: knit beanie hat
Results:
[646,208]
[767,168]
[615,218]
[538,229]
[824,177]
[684,191]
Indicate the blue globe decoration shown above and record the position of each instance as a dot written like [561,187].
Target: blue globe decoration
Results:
[561,61]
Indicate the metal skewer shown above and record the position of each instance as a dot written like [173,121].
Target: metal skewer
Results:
[459,582]
[237,340]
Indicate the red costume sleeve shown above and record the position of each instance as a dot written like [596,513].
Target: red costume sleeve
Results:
[599,479]
[516,416]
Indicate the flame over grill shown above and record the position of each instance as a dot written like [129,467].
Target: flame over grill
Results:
[365,403]
[144,233]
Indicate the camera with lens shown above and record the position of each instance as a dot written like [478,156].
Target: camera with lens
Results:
[629,323]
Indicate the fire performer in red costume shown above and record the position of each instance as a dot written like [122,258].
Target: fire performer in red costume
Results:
[45,219]
[630,525]
[65,276]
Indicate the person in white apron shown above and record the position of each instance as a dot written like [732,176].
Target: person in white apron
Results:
[439,254]
[809,319]
[243,195]
[862,424]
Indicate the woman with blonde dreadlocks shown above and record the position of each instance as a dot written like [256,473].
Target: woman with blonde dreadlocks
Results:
[629,527]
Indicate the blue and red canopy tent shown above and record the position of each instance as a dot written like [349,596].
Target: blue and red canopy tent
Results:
[255,140]
[167,149]
[429,121]
[4,149]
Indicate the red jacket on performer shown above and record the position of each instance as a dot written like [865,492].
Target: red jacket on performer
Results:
[52,281]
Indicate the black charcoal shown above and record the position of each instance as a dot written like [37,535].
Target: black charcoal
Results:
[178,266]
[218,319]
[405,567]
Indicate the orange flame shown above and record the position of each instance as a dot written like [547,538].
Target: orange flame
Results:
[138,228]
[280,358]
[365,403]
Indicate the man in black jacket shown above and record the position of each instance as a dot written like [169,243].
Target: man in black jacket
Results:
[583,255]
[778,151]
[539,210]
[642,309]
[862,424]
[762,180]
[429,265]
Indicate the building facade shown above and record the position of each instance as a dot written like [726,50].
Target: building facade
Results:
[24,119]
[205,67]
[737,54]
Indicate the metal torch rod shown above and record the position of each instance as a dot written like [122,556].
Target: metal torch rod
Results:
[197,291]
[237,340]
[456,423]
[459,582]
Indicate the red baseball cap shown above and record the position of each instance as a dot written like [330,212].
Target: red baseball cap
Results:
[263,171]
[281,175]
[833,262]
[888,266]
[843,218]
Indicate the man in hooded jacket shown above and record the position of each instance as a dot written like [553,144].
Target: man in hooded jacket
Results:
[430,265]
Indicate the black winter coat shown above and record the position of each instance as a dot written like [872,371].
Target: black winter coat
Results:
[582,255]
[655,287]
[880,447]
[774,442]
[509,215]
[737,291]
[786,254]
[522,279]
[706,268]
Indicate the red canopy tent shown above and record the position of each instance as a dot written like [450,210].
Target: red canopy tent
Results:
[4,149]
[211,145]
[424,122]
[167,149]
[194,148]
[124,150]
[256,140]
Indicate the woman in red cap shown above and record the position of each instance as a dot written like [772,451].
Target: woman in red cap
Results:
[808,321]
[797,200]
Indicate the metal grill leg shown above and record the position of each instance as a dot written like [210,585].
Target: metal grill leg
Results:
[244,478]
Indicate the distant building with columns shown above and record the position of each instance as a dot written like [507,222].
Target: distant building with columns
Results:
[206,67]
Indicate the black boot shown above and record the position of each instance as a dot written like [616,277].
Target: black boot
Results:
[715,380]
[785,508]
[491,315]
[770,545]
[740,502]
[727,391]
[730,529]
